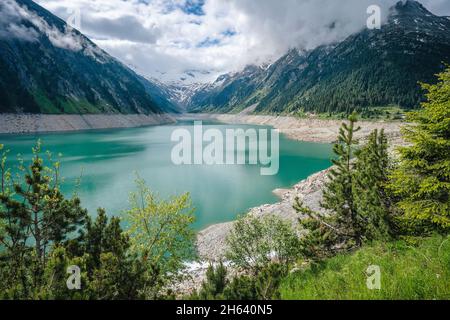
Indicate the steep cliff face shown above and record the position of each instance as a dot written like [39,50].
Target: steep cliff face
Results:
[48,67]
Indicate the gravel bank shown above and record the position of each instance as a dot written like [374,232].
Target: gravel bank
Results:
[310,130]
[31,123]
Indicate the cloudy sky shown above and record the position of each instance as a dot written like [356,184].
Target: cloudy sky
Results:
[178,39]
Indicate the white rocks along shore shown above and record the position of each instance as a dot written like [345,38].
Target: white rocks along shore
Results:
[32,123]
[309,130]
[211,244]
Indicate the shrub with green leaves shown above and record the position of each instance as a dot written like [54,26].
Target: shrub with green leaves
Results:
[256,242]
[160,235]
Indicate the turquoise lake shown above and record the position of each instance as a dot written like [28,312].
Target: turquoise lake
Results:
[107,162]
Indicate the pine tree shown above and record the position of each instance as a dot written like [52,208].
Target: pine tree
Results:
[37,212]
[268,282]
[422,180]
[338,194]
[216,281]
[241,288]
[354,198]
[369,188]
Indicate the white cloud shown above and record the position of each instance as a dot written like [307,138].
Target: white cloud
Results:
[13,16]
[163,39]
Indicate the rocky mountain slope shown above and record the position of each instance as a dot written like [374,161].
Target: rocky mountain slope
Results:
[48,67]
[370,68]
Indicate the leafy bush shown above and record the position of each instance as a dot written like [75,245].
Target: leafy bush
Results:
[160,235]
[256,242]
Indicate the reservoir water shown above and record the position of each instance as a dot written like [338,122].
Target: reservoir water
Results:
[107,162]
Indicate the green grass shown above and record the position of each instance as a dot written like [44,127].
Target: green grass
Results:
[66,106]
[408,272]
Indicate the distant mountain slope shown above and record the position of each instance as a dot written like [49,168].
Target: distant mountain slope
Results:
[370,68]
[48,67]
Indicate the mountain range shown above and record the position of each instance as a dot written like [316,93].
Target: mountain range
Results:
[48,67]
[368,69]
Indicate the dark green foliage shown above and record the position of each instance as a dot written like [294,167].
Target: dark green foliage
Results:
[369,188]
[99,237]
[214,286]
[111,272]
[421,181]
[267,283]
[241,288]
[263,286]
[355,197]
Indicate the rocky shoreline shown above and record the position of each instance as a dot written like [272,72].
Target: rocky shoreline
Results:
[211,242]
[309,130]
[34,123]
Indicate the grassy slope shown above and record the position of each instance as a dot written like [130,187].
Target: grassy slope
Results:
[420,271]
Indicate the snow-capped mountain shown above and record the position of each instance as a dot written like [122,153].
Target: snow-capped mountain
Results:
[369,68]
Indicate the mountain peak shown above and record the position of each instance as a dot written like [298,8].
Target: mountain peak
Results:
[410,7]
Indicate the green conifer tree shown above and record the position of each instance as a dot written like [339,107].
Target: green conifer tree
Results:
[422,180]
[369,188]
[338,194]
[357,207]
[216,281]
[38,214]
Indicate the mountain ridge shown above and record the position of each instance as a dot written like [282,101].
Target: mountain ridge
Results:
[48,67]
[370,68]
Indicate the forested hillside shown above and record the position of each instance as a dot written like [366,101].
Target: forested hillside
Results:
[48,67]
[370,68]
